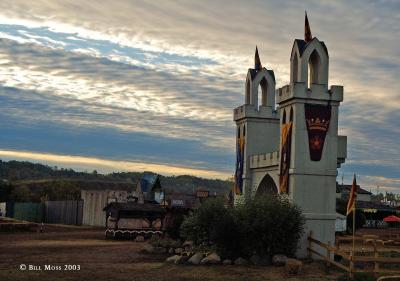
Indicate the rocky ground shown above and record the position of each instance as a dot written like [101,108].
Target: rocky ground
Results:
[57,253]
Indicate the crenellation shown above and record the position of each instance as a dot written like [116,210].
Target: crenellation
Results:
[316,92]
[249,111]
[264,160]
[336,92]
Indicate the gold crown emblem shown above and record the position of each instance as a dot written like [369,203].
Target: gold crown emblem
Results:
[318,124]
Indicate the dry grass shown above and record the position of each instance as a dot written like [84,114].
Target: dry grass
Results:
[101,259]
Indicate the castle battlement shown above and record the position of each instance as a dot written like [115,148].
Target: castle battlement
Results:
[251,111]
[264,160]
[316,92]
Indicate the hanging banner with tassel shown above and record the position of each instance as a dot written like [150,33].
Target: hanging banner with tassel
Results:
[239,166]
[286,141]
[318,118]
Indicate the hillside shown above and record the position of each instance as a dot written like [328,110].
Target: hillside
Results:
[26,181]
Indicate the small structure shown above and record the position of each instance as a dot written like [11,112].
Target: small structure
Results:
[340,223]
[374,213]
[149,188]
[94,202]
[127,220]
[343,191]
[180,201]
[391,218]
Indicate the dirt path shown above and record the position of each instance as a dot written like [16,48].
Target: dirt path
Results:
[101,259]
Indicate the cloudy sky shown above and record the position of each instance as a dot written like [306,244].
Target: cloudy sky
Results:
[140,85]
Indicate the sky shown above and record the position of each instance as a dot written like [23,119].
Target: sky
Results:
[143,85]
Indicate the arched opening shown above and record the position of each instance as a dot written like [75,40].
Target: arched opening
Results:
[295,69]
[284,117]
[267,186]
[291,115]
[262,92]
[244,130]
[247,96]
[314,64]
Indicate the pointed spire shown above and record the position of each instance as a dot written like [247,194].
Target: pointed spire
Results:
[257,61]
[307,30]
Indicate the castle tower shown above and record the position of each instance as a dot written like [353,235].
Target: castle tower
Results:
[258,119]
[310,148]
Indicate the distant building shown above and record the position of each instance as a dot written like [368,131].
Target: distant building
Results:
[181,200]
[148,192]
[375,212]
[149,188]
[343,191]
[127,220]
[95,200]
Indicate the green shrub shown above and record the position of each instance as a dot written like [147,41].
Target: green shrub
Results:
[270,225]
[264,226]
[213,223]
[173,227]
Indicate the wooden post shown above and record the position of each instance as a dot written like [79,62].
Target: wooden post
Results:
[376,263]
[351,266]
[309,245]
[337,242]
[328,256]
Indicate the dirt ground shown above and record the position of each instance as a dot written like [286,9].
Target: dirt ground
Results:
[101,259]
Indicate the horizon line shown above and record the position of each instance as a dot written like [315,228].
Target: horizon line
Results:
[107,166]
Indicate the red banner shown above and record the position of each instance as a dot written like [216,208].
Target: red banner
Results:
[285,158]
[317,120]
[351,205]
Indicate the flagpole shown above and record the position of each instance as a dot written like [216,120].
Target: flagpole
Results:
[354,224]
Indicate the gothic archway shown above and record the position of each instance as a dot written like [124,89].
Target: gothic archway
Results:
[266,186]
[314,69]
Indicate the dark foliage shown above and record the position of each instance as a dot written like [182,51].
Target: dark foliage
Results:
[6,190]
[25,181]
[264,226]
[214,223]
[271,225]
[175,221]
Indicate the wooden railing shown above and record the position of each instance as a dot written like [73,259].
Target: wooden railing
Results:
[388,241]
[352,258]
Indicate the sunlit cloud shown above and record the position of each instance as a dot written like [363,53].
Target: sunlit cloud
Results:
[107,166]
[176,69]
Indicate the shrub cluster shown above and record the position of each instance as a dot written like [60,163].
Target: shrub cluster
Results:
[264,226]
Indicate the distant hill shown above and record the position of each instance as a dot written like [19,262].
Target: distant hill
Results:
[26,181]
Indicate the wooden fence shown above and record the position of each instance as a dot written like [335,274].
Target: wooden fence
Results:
[391,240]
[59,212]
[376,260]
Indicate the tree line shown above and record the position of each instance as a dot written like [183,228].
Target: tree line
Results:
[22,181]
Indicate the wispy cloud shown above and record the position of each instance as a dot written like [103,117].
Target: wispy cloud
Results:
[174,70]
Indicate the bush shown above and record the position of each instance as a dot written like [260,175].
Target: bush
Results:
[173,226]
[264,226]
[270,225]
[213,223]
